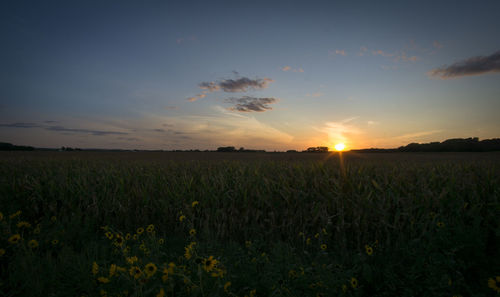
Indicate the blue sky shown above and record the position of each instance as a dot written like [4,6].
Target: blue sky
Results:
[284,74]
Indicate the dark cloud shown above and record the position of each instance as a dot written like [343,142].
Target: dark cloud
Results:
[250,104]
[85,131]
[236,85]
[21,125]
[50,122]
[472,66]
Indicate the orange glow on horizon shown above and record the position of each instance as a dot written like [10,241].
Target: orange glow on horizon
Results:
[339,147]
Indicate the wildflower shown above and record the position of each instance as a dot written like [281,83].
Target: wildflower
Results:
[128,236]
[161,293]
[292,273]
[161,241]
[354,282]
[150,228]
[131,260]
[369,250]
[150,269]
[112,270]
[187,253]
[182,218]
[142,247]
[493,284]
[1,216]
[135,237]
[253,292]
[324,231]
[23,224]
[227,285]
[109,235]
[95,268]
[103,293]
[53,218]
[209,264]
[192,232]
[308,241]
[14,238]
[36,230]
[55,242]
[103,279]
[140,230]
[248,243]
[316,235]
[33,243]
[194,203]
[135,272]
[119,240]
[301,234]
[218,272]
[440,224]
[2,252]
[17,213]
[344,288]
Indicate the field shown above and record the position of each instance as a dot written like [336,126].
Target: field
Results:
[249,224]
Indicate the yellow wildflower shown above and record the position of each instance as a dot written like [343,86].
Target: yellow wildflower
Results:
[369,250]
[33,243]
[344,288]
[492,283]
[248,243]
[109,235]
[324,231]
[53,218]
[161,293]
[150,269]
[131,260]
[161,241]
[140,230]
[440,224]
[227,285]
[150,228]
[182,218]
[253,292]
[135,237]
[192,232]
[194,203]
[103,279]
[292,273]
[323,246]
[316,235]
[135,272]
[2,252]
[17,213]
[120,269]
[308,241]
[209,264]
[187,253]
[1,216]
[55,242]
[95,268]
[14,239]
[354,282]
[118,240]
[23,224]
[128,236]
[112,270]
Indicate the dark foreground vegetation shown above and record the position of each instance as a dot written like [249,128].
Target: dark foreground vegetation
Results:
[149,224]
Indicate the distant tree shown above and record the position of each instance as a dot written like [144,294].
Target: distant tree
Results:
[226,149]
[318,149]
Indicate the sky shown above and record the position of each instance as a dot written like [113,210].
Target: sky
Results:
[272,75]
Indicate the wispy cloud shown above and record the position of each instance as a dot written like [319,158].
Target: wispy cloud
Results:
[397,56]
[437,44]
[251,104]
[362,51]
[288,68]
[419,134]
[198,96]
[316,94]
[340,131]
[337,52]
[472,66]
[62,129]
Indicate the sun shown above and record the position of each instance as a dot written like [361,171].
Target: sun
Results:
[339,147]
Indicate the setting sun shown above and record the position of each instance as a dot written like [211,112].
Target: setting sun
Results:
[339,147]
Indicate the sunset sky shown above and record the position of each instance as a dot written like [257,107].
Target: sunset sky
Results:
[272,75]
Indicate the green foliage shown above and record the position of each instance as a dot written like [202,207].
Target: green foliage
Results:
[274,228]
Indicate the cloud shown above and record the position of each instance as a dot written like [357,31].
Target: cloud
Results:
[250,104]
[419,134]
[472,66]
[362,51]
[382,53]
[85,131]
[337,52]
[199,96]
[234,85]
[288,68]
[340,131]
[317,94]
[437,44]
[21,125]
[209,86]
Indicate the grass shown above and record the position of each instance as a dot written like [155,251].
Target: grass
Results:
[417,225]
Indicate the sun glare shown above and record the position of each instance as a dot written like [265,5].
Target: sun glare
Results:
[339,147]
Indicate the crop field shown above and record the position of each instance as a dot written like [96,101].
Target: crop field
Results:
[249,224]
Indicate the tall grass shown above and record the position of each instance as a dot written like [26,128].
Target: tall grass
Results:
[433,226]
